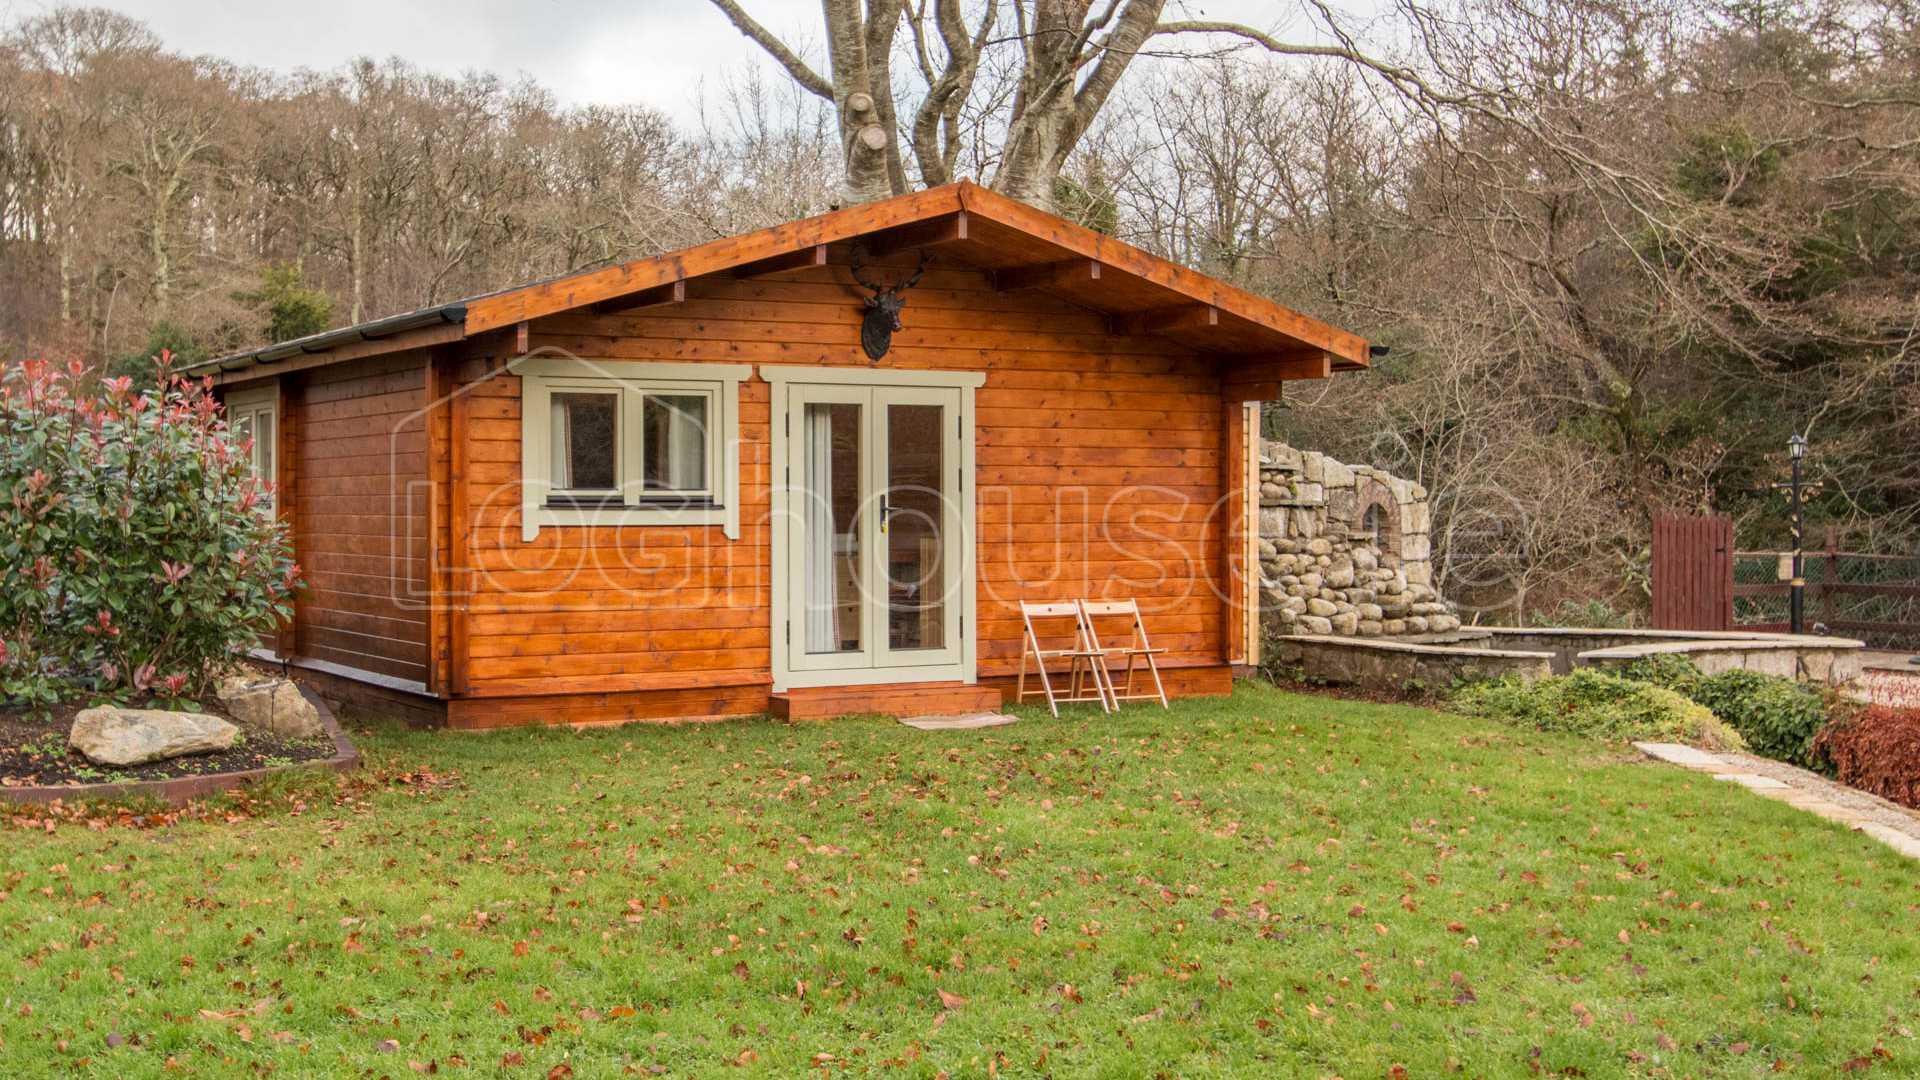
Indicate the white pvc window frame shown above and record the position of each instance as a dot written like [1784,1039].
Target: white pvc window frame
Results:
[632,505]
[245,410]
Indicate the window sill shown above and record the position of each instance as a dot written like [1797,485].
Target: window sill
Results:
[621,516]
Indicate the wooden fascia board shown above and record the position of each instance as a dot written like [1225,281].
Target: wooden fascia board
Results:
[1196,286]
[1051,275]
[412,339]
[579,290]
[923,208]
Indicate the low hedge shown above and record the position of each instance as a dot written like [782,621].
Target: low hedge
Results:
[1601,705]
[1778,717]
[1877,750]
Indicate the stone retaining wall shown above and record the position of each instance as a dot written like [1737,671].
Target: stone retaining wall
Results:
[1398,666]
[1345,549]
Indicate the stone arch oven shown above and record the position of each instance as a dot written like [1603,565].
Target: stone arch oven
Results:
[1344,550]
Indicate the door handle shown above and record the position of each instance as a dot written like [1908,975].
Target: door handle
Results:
[885,510]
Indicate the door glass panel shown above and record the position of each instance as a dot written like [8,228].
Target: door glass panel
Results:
[916,527]
[829,497]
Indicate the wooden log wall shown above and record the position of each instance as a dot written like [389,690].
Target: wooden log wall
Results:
[1099,467]
[360,513]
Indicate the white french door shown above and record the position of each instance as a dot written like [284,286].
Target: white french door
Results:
[875,538]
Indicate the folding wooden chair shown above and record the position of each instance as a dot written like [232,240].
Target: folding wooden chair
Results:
[1083,660]
[1139,649]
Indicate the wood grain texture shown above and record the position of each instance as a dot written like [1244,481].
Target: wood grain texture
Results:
[361,515]
[1099,468]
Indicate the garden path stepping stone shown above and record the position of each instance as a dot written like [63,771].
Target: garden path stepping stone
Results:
[1801,795]
[1680,754]
[965,722]
[1749,780]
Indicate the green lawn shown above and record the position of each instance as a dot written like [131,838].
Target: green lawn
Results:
[1271,885]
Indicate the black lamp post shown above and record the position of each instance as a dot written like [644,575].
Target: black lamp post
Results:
[1797,588]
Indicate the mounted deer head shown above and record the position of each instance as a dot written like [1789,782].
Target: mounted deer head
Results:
[883,308]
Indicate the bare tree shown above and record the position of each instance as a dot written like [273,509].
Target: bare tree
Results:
[1071,57]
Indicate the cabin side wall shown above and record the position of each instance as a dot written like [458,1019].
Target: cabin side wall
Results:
[1099,466]
[352,462]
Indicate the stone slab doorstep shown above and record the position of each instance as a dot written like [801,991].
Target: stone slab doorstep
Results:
[966,722]
[182,789]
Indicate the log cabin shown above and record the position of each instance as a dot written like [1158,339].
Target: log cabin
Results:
[707,484]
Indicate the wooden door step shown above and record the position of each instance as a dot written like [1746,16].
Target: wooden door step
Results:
[890,699]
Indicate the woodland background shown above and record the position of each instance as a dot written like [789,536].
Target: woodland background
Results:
[1620,250]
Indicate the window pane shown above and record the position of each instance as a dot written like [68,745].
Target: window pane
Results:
[674,427]
[585,441]
[263,445]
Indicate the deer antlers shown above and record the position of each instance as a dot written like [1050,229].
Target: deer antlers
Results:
[876,287]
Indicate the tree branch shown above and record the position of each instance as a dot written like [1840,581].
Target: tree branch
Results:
[775,48]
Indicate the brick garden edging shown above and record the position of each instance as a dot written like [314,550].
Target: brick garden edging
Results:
[181,789]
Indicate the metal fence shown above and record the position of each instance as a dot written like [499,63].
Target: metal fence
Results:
[1872,597]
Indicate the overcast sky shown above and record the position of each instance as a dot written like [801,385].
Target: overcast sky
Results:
[655,52]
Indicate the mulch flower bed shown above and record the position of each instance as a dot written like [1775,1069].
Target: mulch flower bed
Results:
[34,751]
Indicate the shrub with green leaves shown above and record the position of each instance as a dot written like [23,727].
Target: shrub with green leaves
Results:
[137,553]
[1778,717]
[1600,705]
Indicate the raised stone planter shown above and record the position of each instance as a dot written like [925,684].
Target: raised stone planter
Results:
[1492,652]
[1377,664]
[181,789]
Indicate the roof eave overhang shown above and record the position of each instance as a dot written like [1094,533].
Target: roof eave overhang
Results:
[1255,341]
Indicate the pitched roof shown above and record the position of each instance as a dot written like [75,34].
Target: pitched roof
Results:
[1022,247]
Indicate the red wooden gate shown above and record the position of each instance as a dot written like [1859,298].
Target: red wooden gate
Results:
[1692,572]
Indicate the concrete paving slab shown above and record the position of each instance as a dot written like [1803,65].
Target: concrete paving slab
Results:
[965,722]
[1893,838]
[1680,754]
[1753,780]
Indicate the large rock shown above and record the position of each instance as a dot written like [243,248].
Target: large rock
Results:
[1314,624]
[1322,608]
[274,705]
[114,736]
[1340,574]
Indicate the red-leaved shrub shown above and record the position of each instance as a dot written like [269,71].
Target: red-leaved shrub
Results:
[1877,750]
[137,553]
